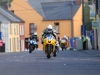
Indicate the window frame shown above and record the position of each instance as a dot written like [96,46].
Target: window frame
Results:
[56,24]
[31,28]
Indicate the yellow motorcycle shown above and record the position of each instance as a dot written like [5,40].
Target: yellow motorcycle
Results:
[63,44]
[49,44]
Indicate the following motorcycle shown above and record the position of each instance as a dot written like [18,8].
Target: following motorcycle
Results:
[63,44]
[32,45]
[49,45]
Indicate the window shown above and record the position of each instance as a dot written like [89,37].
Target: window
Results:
[10,29]
[10,44]
[17,29]
[14,30]
[17,43]
[56,26]
[22,29]
[32,28]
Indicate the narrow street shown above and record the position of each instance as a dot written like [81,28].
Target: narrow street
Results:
[36,63]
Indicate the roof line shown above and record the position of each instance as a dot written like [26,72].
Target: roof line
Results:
[55,2]
[56,20]
[7,11]
[5,17]
[42,10]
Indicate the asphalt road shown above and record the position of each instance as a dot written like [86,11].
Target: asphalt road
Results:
[36,63]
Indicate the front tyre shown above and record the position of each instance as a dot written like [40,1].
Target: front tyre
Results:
[62,46]
[30,49]
[48,51]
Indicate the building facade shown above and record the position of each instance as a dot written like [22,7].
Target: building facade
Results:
[39,14]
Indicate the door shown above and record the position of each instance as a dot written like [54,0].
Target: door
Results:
[22,45]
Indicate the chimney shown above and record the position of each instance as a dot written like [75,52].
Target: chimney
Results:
[3,3]
[78,2]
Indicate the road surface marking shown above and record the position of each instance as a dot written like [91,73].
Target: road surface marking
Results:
[64,64]
[21,56]
[7,59]
[1,61]
[14,56]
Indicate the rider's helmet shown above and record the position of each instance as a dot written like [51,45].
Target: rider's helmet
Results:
[65,37]
[35,33]
[49,27]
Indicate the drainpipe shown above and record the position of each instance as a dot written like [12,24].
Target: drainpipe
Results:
[72,29]
[8,4]
[83,11]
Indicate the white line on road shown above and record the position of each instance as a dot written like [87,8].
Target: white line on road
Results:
[14,56]
[22,56]
[75,59]
[17,60]
[7,59]
[1,61]
[64,64]
[63,58]
[85,59]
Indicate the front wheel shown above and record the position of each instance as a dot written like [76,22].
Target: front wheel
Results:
[48,51]
[48,56]
[30,49]
[62,46]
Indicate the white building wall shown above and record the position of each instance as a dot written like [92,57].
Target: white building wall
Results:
[5,35]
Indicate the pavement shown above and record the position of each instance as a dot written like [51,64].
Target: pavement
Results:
[92,52]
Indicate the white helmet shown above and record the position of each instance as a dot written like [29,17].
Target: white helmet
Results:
[64,36]
[35,33]
[50,27]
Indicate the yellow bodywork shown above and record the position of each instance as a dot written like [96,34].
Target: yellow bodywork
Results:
[62,43]
[49,42]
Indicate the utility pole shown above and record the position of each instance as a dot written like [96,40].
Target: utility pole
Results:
[83,11]
[72,10]
[8,4]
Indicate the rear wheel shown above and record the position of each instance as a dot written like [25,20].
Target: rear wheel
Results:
[36,45]
[55,53]
[56,50]
[62,49]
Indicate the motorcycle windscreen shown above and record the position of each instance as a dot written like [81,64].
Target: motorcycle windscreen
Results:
[49,37]
[33,42]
